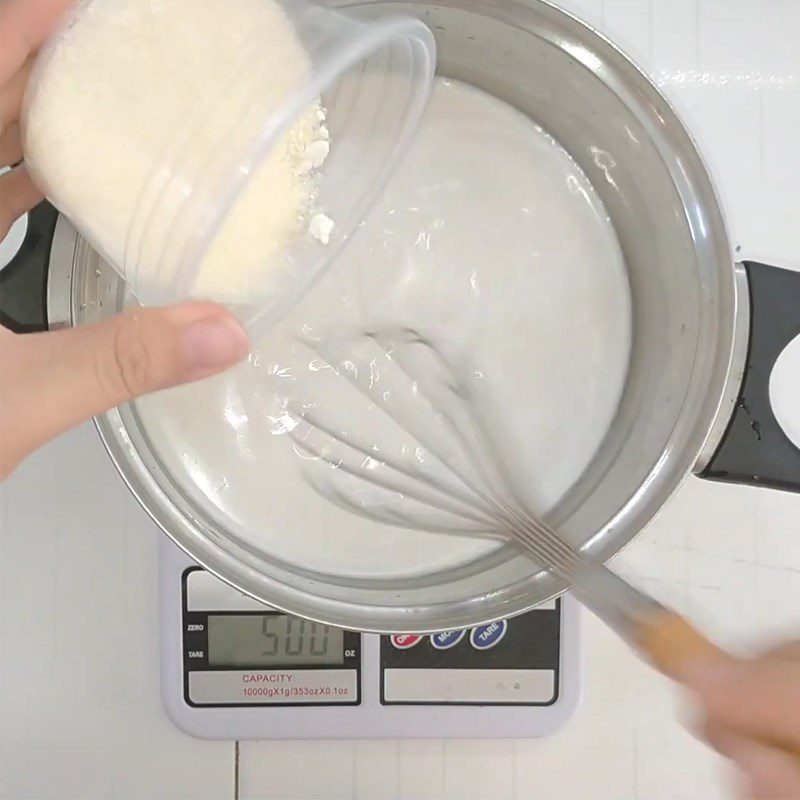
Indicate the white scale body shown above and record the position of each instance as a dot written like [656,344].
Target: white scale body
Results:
[233,668]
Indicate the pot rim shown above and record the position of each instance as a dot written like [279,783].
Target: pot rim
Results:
[707,421]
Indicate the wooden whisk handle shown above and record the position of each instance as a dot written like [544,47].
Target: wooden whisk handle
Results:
[670,642]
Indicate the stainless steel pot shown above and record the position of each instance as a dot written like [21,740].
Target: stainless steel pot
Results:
[706,331]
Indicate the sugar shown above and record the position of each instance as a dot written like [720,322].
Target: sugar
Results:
[321,227]
[142,111]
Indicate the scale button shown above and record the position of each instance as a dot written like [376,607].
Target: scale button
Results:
[487,636]
[446,639]
[404,641]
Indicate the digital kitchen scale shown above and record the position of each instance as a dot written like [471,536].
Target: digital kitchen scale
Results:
[232,668]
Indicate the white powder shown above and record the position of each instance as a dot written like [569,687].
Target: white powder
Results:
[141,100]
[321,227]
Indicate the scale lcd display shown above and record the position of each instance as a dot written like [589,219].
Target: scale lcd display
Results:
[271,640]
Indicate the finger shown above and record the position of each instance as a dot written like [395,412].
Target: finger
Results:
[24,26]
[759,698]
[18,194]
[10,146]
[11,95]
[785,652]
[770,774]
[49,382]
[720,738]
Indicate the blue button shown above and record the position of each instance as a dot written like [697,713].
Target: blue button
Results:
[487,636]
[446,639]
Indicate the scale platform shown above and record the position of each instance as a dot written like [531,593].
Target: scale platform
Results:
[233,668]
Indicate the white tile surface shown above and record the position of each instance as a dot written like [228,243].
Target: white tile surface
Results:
[301,770]
[480,770]
[422,770]
[80,714]
[632,23]
[80,719]
[377,770]
[784,388]
[777,542]
[589,10]
[780,108]
[675,41]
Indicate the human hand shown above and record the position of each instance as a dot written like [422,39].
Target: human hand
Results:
[52,381]
[748,703]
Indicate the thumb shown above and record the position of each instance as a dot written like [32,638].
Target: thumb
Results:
[50,382]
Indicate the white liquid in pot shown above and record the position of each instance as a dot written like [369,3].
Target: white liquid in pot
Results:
[489,236]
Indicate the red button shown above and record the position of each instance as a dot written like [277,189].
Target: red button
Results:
[403,641]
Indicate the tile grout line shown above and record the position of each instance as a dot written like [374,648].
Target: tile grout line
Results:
[56,590]
[444,767]
[236,770]
[354,776]
[760,92]
[397,767]
[697,33]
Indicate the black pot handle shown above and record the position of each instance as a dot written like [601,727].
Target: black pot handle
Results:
[755,449]
[23,282]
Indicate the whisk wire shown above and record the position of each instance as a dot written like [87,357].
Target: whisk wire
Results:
[486,504]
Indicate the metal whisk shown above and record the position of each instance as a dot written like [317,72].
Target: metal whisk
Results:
[472,490]
[468,489]
[463,483]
